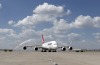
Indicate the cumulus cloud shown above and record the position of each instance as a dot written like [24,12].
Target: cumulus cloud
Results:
[7,38]
[86,21]
[68,12]
[49,9]
[11,22]
[96,22]
[61,26]
[0,5]
[7,34]
[82,21]
[31,21]
[43,13]
[8,31]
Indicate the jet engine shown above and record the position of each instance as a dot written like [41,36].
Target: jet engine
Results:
[35,48]
[24,47]
[63,49]
[70,48]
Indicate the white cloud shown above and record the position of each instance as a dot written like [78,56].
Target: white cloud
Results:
[68,12]
[96,22]
[82,21]
[42,13]
[4,31]
[7,38]
[31,21]
[7,34]
[86,22]
[61,26]
[11,22]
[0,5]
[49,9]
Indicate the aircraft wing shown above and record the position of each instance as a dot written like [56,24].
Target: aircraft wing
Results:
[33,46]
[63,48]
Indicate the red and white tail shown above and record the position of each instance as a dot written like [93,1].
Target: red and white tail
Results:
[42,39]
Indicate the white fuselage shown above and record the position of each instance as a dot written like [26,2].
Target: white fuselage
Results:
[50,45]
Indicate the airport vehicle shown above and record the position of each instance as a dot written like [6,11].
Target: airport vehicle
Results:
[78,50]
[50,46]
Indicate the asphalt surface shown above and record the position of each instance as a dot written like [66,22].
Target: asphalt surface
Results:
[49,58]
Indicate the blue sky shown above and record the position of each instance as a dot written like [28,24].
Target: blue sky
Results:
[69,22]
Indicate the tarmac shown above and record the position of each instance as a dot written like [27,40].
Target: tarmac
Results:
[49,58]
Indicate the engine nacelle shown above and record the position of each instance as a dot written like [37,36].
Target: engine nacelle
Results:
[70,48]
[24,47]
[63,49]
[36,49]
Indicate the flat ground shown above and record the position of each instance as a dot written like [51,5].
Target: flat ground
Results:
[49,58]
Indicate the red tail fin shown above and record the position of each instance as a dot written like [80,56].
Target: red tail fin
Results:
[42,39]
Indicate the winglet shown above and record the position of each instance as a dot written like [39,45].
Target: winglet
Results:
[42,39]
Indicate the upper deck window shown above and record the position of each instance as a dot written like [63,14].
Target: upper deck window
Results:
[50,44]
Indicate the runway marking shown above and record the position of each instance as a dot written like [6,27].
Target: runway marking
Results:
[52,61]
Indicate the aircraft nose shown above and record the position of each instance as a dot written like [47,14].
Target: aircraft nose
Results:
[55,46]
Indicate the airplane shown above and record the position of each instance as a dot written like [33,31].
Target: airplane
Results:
[50,46]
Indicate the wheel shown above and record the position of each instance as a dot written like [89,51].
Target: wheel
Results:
[54,51]
[49,50]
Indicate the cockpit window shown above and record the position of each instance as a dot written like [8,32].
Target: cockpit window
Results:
[55,44]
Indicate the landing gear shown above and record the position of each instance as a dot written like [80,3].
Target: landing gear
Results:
[49,50]
[44,50]
[54,51]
